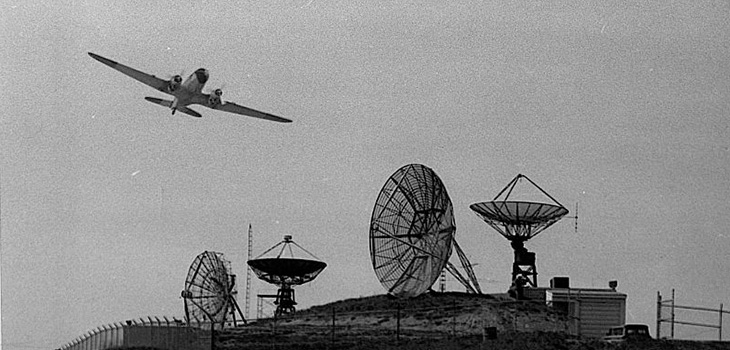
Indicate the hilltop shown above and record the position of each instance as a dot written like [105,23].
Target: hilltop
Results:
[431,321]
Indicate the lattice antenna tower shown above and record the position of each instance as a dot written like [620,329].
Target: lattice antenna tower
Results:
[248,271]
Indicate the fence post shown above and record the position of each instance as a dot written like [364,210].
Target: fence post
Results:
[397,325]
[671,331]
[125,331]
[719,330]
[453,319]
[158,334]
[168,332]
[117,335]
[104,337]
[658,315]
[212,335]
[334,315]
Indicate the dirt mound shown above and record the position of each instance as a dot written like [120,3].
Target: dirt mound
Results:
[431,321]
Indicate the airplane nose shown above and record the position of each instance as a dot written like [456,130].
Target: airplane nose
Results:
[202,75]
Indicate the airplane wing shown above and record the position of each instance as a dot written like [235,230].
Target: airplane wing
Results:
[238,109]
[151,80]
[168,103]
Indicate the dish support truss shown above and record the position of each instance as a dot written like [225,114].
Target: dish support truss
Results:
[470,282]
[210,290]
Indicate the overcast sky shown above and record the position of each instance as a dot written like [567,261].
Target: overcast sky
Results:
[106,199]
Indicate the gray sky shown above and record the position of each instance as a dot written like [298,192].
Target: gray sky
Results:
[107,199]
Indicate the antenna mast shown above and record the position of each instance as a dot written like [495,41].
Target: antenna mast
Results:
[248,273]
[574,217]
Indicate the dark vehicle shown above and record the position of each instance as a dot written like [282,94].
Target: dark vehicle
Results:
[627,332]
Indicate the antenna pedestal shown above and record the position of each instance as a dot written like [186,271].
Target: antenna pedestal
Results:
[286,272]
[524,271]
[285,301]
[519,221]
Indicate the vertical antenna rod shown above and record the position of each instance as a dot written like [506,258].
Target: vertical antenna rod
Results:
[575,217]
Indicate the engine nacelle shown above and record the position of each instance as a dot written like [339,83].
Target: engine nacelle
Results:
[215,97]
[174,83]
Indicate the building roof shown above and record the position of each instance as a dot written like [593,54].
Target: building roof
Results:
[583,293]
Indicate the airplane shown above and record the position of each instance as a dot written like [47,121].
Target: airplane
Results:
[187,93]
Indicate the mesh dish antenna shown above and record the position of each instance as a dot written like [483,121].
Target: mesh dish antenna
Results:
[210,291]
[412,233]
[285,270]
[519,221]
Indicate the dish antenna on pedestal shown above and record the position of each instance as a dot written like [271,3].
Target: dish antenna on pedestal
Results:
[412,234]
[286,270]
[210,291]
[519,221]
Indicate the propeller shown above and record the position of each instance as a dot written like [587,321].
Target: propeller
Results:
[178,78]
[174,82]
[215,96]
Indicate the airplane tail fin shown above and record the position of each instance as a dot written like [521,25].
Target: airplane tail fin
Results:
[168,104]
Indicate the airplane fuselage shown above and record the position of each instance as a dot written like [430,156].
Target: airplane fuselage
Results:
[190,91]
[196,81]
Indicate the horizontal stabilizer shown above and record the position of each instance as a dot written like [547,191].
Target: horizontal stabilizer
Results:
[167,104]
[189,111]
[159,101]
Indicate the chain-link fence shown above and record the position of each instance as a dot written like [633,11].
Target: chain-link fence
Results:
[150,332]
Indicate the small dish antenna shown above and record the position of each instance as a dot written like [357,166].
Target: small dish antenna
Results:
[519,221]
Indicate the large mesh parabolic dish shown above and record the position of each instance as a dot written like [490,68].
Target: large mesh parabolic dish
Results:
[208,288]
[519,220]
[411,231]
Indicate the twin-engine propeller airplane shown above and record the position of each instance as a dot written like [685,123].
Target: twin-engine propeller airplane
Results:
[187,93]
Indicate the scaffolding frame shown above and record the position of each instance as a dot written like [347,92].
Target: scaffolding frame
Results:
[672,319]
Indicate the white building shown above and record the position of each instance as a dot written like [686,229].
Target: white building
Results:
[592,311]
